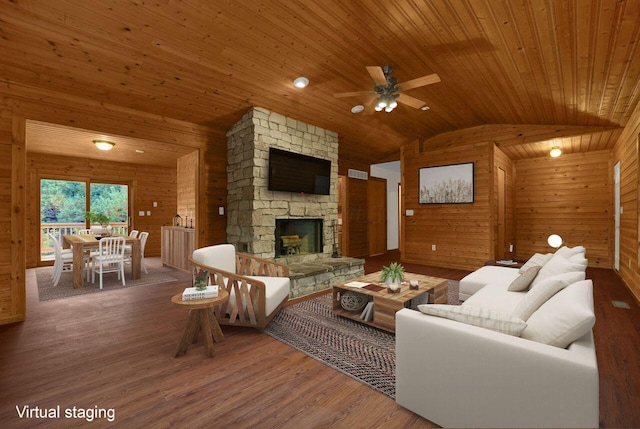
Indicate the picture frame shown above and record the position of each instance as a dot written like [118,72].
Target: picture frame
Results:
[446,184]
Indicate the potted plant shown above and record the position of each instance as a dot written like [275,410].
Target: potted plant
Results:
[98,218]
[392,275]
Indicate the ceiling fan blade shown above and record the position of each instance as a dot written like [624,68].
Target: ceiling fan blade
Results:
[410,101]
[377,74]
[352,94]
[421,81]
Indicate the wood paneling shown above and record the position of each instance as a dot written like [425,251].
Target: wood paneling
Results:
[462,233]
[355,218]
[571,196]
[555,62]
[148,184]
[187,177]
[177,246]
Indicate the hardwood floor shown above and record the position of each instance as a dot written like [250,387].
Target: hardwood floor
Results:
[114,350]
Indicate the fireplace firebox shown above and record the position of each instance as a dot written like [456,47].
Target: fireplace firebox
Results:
[298,236]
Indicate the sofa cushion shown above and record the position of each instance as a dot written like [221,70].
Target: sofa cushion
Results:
[567,252]
[558,264]
[543,291]
[522,282]
[564,318]
[476,280]
[538,259]
[496,297]
[477,316]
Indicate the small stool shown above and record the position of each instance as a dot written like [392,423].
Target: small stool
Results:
[202,317]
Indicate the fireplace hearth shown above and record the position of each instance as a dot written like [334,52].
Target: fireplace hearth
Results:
[298,237]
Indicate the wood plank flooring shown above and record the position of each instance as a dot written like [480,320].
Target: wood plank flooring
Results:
[115,350]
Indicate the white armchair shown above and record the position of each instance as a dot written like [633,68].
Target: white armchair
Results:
[257,288]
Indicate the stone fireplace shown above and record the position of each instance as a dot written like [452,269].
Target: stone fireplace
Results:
[305,225]
[253,208]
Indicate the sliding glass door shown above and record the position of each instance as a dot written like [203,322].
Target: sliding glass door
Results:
[63,204]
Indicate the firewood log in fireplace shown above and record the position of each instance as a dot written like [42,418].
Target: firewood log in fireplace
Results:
[291,243]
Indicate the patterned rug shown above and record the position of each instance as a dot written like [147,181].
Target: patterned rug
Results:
[362,352]
[47,291]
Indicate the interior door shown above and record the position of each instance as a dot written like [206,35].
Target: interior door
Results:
[500,248]
[377,217]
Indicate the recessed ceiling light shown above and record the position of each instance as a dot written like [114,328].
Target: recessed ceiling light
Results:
[425,108]
[139,151]
[357,109]
[301,82]
[103,144]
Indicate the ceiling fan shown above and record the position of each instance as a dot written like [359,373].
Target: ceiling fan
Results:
[388,91]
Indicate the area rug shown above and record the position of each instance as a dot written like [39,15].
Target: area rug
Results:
[47,291]
[362,352]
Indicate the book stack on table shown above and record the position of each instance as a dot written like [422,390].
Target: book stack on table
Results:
[192,293]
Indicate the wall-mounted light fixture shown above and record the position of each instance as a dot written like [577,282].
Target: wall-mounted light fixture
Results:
[103,144]
[554,241]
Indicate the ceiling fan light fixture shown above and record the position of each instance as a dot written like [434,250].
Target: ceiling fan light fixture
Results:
[301,82]
[555,152]
[104,144]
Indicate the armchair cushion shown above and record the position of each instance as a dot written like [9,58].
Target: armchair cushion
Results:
[221,256]
[277,290]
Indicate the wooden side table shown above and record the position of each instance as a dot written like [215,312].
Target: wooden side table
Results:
[202,317]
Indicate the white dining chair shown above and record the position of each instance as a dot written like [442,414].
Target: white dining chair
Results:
[63,260]
[85,231]
[128,251]
[133,233]
[110,259]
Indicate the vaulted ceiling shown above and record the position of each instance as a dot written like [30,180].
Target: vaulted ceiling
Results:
[545,72]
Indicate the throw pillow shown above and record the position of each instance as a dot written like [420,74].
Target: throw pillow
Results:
[522,282]
[537,259]
[477,316]
[557,265]
[567,252]
[564,318]
[538,296]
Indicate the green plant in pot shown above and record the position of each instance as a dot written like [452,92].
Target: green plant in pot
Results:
[98,218]
[392,275]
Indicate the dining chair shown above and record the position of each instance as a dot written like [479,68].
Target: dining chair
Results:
[128,251]
[110,258]
[63,260]
[84,231]
[133,233]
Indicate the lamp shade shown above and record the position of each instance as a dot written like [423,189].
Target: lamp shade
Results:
[554,241]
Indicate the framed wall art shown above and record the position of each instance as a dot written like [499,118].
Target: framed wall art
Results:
[446,184]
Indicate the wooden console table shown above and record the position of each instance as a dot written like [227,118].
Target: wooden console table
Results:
[386,303]
[178,244]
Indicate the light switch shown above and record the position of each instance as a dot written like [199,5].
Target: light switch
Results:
[221,211]
[141,213]
[149,213]
[409,212]
[155,204]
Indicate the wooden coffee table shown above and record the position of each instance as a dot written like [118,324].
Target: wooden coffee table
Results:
[387,303]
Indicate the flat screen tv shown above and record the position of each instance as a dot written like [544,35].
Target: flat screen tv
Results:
[294,172]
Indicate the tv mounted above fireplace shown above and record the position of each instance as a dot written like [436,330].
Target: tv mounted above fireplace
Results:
[294,172]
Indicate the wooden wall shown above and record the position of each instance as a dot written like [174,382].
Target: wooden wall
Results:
[147,185]
[626,151]
[213,191]
[21,103]
[462,233]
[187,186]
[355,222]
[571,196]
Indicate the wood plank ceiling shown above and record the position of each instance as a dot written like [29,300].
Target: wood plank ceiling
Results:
[519,63]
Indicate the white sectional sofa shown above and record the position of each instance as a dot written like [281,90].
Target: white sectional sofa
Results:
[505,358]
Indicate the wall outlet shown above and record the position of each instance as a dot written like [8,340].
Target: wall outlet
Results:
[511,248]
[149,213]
[433,247]
[155,204]
[221,211]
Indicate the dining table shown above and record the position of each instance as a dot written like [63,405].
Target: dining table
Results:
[82,243]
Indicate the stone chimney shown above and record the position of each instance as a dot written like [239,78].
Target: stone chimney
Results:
[252,208]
